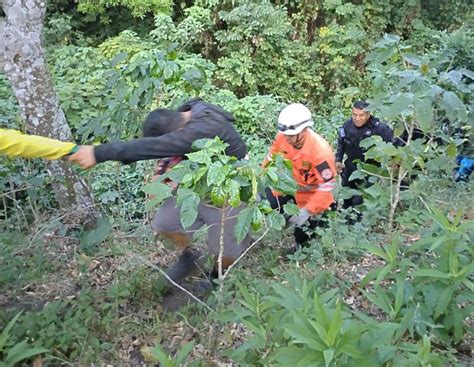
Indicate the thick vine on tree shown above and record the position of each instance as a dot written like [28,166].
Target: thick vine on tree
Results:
[23,61]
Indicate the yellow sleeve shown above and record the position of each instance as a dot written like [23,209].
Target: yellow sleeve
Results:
[15,144]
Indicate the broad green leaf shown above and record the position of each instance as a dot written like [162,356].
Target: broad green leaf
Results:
[421,243]
[21,352]
[376,250]
[465,271]
[423,113]
[454,107]
[158,354]
[217,174]
[430,273]
[159,190]
[440,218]
[372,274]
[121,56]
[351,350]
[183,353]
[293,356]
[444,300]
[218,196]
[233,188]
[288,298]
[189,209]
[401,105]
[399,296]
[201,156]
[452,150]
[328,356]
[320,311]
[453,262]
[98,234]
[276,220]
[380,299]
[5,333]
[244,221]
[250,344]
[335,325]
[301,335]
[272,174]
[291,209]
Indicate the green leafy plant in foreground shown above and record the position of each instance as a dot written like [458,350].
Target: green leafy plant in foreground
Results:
[296,324]
[158,354]
[13,353]
[209,175]
[431,286]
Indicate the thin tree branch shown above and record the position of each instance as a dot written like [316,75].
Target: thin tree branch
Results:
[245,252]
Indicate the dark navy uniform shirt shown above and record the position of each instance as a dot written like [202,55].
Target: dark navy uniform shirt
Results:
[350,136]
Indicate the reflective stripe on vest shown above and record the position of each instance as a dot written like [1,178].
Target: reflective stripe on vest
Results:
[325,187]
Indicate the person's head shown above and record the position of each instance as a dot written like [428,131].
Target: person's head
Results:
[359,114]
[293,122]
[162,121]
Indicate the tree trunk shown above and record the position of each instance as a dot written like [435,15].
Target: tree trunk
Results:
[23,61]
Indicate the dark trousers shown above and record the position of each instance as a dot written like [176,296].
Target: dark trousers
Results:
[354,184]
[301,237]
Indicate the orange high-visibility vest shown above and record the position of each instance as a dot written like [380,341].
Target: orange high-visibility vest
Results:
[13,143]
[314,170]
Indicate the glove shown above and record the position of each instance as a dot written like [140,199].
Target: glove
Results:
[299,219]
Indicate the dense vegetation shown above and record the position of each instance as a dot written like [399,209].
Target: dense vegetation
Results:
[394,289]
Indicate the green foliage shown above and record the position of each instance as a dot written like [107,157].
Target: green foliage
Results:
[299,324]
[133,87]
[191,32]
[137,7]
[68,327]
[254,115]
[428,286]
[79,74]
[127,42]
[158,354]
[210,175]
[14,353]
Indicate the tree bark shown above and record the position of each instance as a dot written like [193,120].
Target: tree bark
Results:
[23,61]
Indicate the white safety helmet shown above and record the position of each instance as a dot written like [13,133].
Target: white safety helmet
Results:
[294,118]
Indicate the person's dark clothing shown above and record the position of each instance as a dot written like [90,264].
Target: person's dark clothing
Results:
[401,141]
[207,121]
[348,143]
[301,237]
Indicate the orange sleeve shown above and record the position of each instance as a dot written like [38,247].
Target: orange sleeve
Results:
[274,148]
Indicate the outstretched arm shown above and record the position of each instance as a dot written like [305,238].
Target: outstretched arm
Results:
[13,143]
[176,143]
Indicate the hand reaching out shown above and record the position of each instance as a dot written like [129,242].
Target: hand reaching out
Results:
[85,157]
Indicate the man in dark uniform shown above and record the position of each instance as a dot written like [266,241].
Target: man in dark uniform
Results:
[361,125]
[168,134]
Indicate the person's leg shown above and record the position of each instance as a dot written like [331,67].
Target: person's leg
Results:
[167,223]
[346,173]
[277,202]
[303,234]
[214,217]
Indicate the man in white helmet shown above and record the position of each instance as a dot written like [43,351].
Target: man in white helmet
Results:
[314,168]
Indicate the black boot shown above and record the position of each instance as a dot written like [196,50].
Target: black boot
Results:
[184,266]
[204,286]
